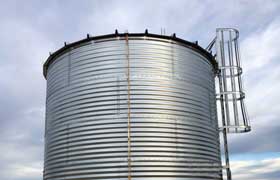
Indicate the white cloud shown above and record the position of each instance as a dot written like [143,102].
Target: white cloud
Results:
[22,147]
[138,16]
[260,54]
[256,169]
[261,47]
[262,72]
[21,171]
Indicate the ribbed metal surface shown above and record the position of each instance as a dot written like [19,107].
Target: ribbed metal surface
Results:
[174,133]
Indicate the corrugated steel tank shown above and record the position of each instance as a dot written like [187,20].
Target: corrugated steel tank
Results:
[131,106]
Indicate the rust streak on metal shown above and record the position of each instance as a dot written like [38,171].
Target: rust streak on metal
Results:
[128,110]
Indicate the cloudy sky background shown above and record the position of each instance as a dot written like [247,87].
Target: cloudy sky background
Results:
[30,29]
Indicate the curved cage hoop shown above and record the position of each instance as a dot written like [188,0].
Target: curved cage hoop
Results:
[230,92]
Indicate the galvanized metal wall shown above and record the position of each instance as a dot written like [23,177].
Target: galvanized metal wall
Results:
[169,101]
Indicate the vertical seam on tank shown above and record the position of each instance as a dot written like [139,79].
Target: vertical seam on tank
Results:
[128,109]
[172,59]
[67,146]
[210,108]
[69,68]
[174,77]
[118,97]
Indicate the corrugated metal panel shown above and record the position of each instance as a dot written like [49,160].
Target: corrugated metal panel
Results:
[172,112]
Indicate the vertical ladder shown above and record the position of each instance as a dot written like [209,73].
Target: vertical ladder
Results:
[231,88]
[230,94]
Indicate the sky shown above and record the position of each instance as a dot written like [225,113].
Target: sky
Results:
[29,30]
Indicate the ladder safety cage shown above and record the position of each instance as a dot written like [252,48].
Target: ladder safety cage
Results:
[230,93]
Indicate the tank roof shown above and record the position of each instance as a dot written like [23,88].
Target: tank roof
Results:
[176,40]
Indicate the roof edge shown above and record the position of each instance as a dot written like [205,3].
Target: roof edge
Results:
[173,37]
